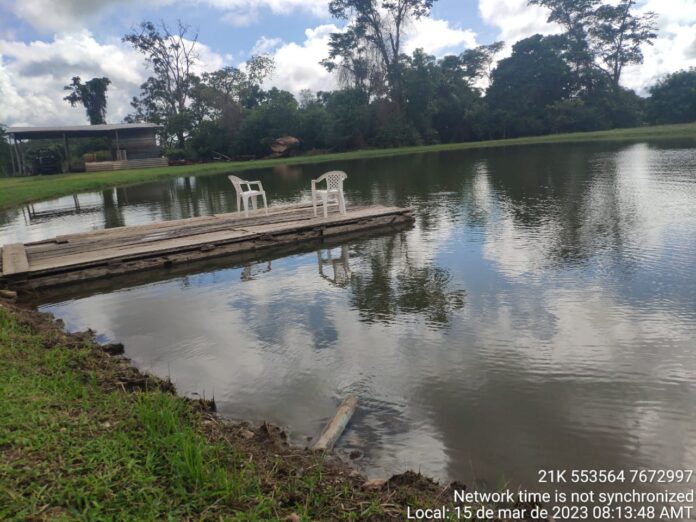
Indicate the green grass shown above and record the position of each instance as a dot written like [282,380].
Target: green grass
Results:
[16,191]
[74,446]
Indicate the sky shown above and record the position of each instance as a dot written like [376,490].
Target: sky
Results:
[44,43]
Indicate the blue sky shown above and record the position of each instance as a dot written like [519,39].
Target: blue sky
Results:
[221,35]
[43,43]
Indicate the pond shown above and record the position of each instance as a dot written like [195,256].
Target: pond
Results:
[541,313]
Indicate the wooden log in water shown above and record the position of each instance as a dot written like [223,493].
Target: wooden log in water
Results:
[334,429]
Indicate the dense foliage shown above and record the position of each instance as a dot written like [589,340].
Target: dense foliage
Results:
[5,154]
[561,83]
[91,95]
[673,99]
[565,82]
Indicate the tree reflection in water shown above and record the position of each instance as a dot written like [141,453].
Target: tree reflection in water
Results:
[392,284]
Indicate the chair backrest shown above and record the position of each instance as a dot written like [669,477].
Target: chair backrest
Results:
[237,182]
[334,179]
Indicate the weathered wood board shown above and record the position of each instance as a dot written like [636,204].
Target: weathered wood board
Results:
[78,257]
[14,259]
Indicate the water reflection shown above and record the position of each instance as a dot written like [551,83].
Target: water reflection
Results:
[391,284]
[253,271]
[335,270]
[540,313]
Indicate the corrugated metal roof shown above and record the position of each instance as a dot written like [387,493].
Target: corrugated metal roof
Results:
[76,130]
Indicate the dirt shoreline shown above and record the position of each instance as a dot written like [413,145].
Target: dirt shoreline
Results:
[274,458]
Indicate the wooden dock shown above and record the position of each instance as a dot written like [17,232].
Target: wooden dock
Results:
[80,257]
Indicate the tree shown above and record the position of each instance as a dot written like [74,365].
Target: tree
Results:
[275,117]
[358,64]
[476,64]
[601,36]
[165,97]
[617,35]
[673,99]
[92,95]
[350,113]
[375,34]
[242,86]
[5,153]
[420,80]
[524,85]
[575,16]
[459,109]
[315,127]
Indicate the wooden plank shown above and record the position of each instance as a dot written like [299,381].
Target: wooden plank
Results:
[68,245]
[182,259]
[14,259]
[141,235]
[282,214]
[130,251]
[159,245]
[127,249]
[153,269]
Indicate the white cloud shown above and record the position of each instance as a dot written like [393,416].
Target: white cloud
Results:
[265,45]
[675,47]
[297,65]
[241,18]
[32,77]
[279,7]
[64,15]
[438,37]
[515,19]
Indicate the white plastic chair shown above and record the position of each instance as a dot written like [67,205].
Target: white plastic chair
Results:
[244,197]
[334,187]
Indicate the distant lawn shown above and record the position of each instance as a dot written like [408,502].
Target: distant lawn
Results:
[16,191]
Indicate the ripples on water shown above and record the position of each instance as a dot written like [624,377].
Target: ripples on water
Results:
[540,314]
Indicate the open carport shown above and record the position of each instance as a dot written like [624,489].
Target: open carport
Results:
[132,145]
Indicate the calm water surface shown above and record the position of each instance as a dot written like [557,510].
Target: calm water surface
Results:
[540,314]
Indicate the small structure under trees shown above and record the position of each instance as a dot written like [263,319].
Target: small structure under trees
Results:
[131,145]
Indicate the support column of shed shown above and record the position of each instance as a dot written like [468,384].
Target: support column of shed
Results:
[15,167]
[67,151]
[18,152]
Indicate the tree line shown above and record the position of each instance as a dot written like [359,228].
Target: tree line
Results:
[564,82]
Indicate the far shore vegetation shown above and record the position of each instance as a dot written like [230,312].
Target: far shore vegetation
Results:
[545,87]
[20,190]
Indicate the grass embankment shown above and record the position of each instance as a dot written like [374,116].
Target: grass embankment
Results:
[16,191]
[85,436]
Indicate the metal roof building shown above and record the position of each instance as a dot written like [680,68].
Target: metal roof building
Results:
[131,144]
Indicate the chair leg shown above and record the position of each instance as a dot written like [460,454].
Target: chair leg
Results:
[254,202]
[325,199]
[314,204]
[265,203]
[246,206]
[341,203]
[239,204]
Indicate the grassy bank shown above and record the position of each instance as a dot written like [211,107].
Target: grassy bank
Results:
[16,191]
[85,436]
